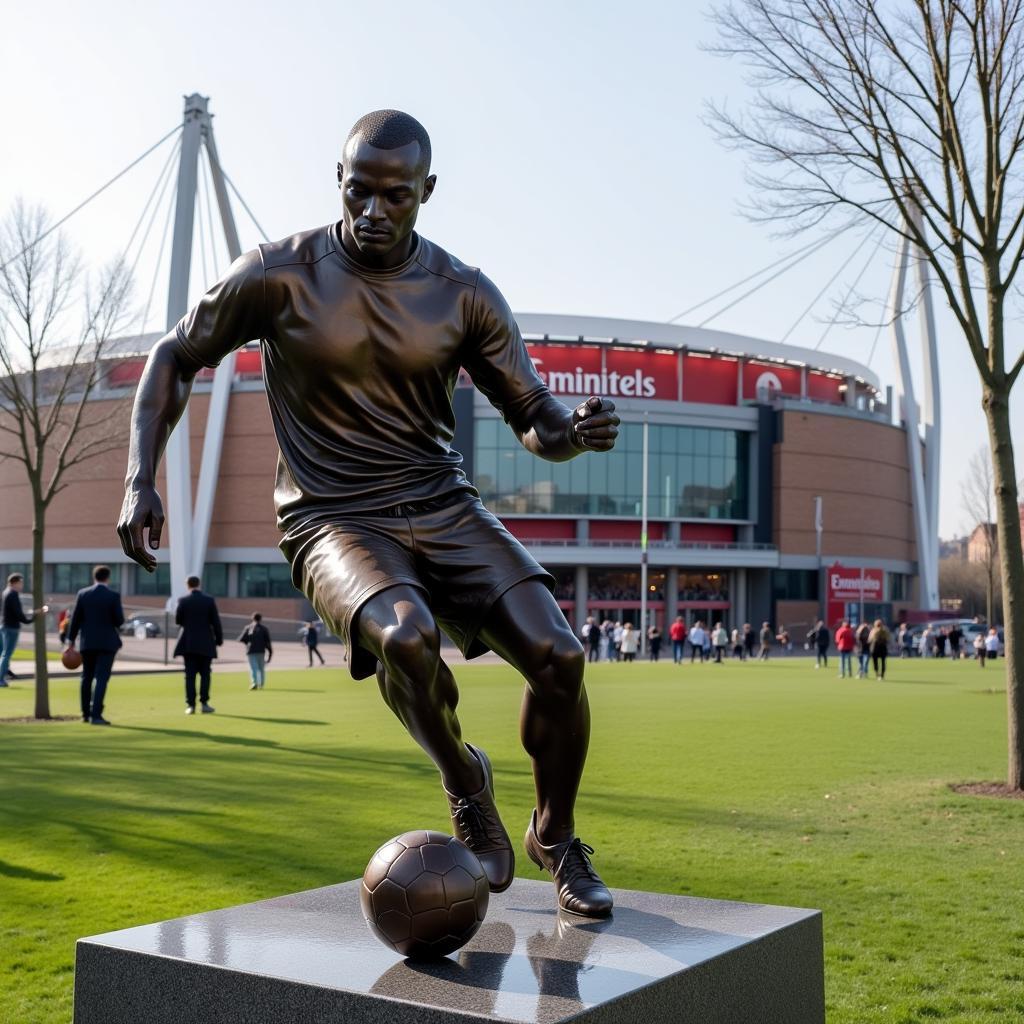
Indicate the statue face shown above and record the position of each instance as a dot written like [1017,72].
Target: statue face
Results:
[381,190]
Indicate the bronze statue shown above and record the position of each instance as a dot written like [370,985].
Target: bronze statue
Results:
[363,326]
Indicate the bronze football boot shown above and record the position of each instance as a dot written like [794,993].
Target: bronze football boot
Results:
[580,889]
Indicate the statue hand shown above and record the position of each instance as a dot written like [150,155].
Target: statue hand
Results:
[142,509]
[595,424]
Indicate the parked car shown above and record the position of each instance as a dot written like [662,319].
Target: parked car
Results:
[139,627]
[968,627]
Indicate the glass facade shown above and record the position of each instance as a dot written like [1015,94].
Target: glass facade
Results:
[794,585]
[215,579]
[70,577]
[156,583]
[694,473]
[262,580]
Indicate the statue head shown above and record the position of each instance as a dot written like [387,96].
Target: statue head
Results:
[384,177]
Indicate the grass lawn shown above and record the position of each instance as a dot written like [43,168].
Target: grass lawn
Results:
[768,783]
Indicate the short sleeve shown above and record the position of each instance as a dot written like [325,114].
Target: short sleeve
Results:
[230,314]
[495,357]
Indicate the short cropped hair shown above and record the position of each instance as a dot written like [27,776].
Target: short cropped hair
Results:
[101,573]
[256,617]
[15,577]
[192,581]
[391,129]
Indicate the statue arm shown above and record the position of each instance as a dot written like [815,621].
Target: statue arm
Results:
[497,360]
[229,315]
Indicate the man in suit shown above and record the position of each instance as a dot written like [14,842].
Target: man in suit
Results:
[198,640]
[97,615]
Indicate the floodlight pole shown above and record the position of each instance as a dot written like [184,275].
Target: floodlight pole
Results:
[177,456]
[189,531]
[643,546]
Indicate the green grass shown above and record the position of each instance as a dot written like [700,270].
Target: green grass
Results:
[770,783]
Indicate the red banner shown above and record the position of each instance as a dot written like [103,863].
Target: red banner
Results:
[709,379]
[613,373]
[766,380]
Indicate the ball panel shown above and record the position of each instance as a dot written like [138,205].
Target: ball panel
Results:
[428,892]
[430,925]
[407,868]
[465,858]
[376,871]
[437,858]
[459,884]
[462,916]
[396,927]
[414,840]
[438,838]
[389,896]
[390,850]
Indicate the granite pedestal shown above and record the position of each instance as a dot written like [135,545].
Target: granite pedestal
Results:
[309,959]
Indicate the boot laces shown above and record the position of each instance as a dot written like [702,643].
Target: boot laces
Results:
[576,866]
[477,824]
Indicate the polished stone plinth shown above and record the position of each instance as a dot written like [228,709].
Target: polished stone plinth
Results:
[309,959]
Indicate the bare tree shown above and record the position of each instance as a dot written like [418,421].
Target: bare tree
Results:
[909,116]
[55,332]
[977,497]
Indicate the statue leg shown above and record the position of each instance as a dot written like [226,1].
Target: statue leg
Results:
[398,628]
[527,628]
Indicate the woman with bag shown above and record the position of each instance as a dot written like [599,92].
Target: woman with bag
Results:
[258,650]
[879,640]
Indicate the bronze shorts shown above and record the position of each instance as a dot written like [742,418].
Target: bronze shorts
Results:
[459,555]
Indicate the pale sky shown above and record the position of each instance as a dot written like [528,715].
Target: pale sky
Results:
[573,165]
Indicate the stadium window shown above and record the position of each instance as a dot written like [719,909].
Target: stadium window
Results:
[794,585]
[215,579]
[70,577]
[265,580]
[156,583]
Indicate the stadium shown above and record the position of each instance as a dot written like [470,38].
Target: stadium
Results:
[743,436]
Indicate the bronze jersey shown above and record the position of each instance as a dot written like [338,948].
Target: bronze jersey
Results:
[360,366]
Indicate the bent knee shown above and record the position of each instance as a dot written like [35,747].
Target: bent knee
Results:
[560,676]
[411,647]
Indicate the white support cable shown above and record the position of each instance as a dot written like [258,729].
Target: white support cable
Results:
[207,173]
[740,283]
[735,302]
[245,205]
[850,290]
[85,202]
[158,186]
[159,259]
[828,284]
[200,187]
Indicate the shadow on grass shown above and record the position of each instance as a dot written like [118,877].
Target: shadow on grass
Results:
[14,871]
[275,721]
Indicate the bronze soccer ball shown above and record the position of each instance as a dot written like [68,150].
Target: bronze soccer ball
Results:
[424,894]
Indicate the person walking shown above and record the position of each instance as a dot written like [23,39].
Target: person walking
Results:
[96,616]
[941,636]
[590,634]
[766,642]
[879,640]
[198,639]
[258,650]
[783,640]
[697,641]
[720,641]
[979,649]
[992,644]
[311,638]
[617,631]
[677,634]
[737,643]
[630,642]
[653,643]
[749,640]
[905,639]
[956,636]
[863,649]
[14,617]
[845,643]
[820,637]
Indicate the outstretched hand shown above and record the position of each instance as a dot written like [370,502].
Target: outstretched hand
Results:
[595,424]
[142,510]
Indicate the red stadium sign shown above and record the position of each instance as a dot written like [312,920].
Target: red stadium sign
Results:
[615,373]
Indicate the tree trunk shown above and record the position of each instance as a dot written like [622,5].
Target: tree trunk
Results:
[38,600]
[995,402]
